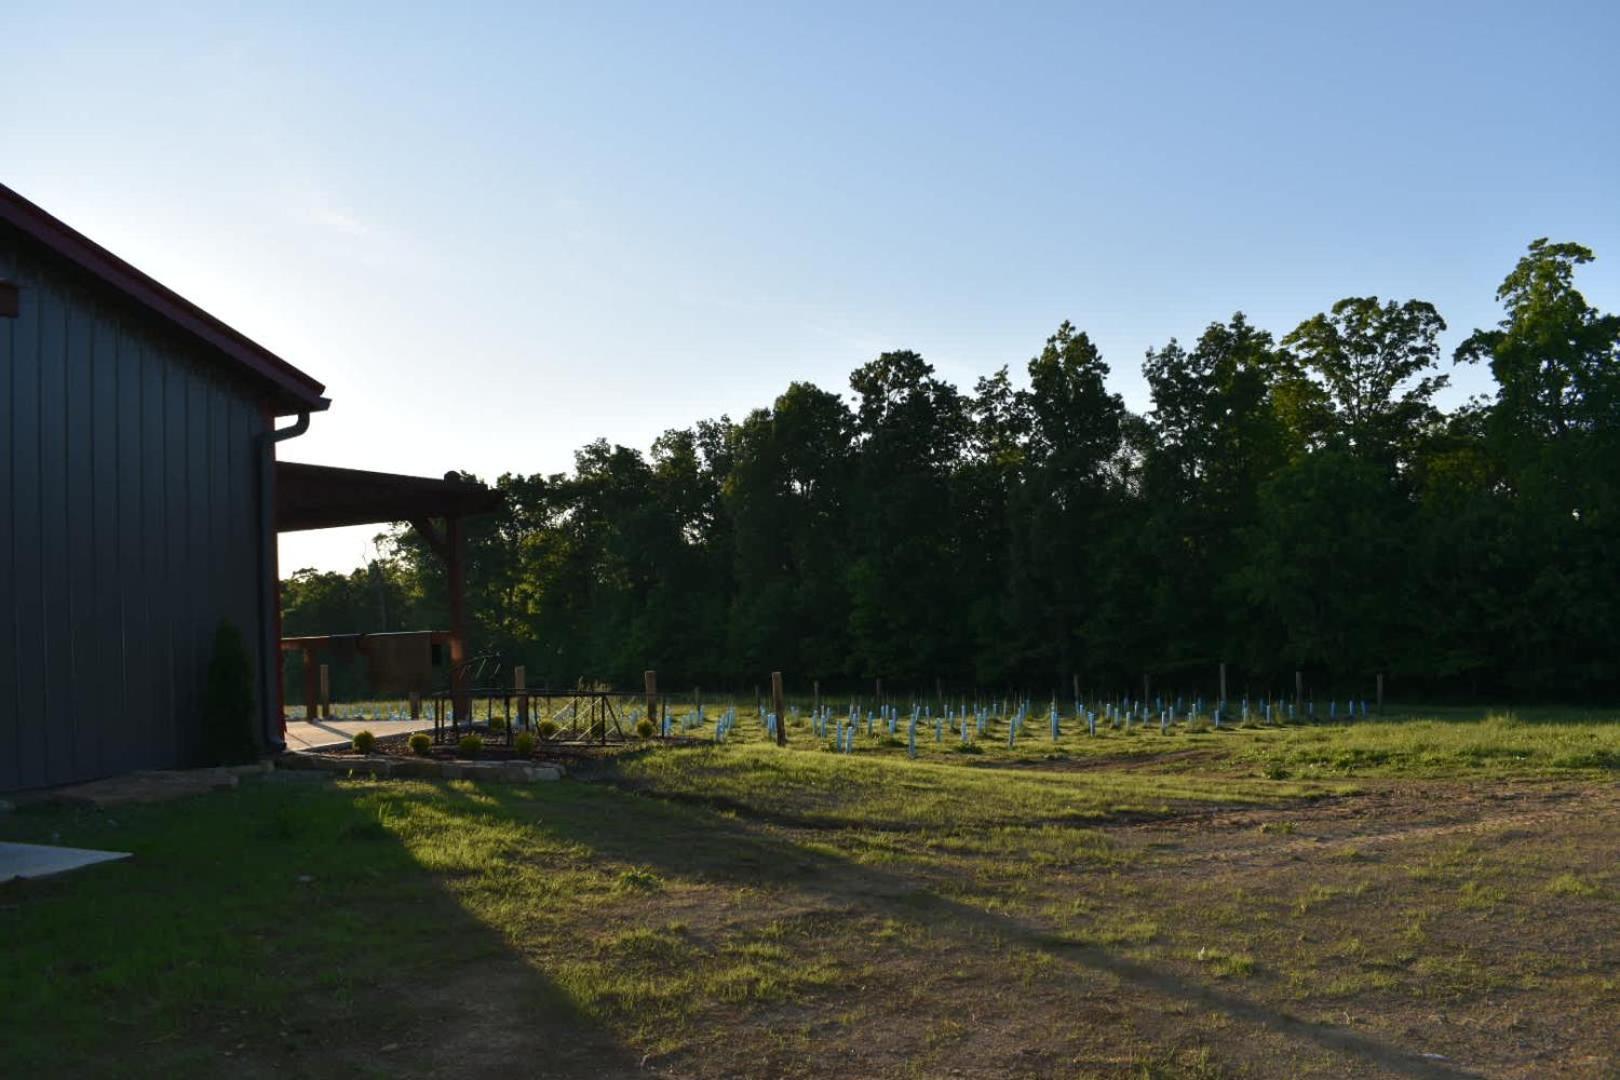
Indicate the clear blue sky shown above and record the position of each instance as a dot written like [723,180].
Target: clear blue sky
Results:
[499,231]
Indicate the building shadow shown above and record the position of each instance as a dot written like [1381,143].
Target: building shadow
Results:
[332,949]
[685,839]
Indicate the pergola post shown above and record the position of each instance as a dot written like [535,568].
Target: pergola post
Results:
[311,684]
[451,546]
[455,557]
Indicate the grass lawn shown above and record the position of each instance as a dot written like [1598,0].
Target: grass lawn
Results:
[1431,895]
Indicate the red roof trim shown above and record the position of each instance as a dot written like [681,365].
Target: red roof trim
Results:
[294,388]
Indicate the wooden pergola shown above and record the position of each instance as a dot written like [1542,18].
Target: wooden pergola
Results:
[326,497]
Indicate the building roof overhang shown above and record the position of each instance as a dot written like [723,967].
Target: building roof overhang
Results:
[285,388]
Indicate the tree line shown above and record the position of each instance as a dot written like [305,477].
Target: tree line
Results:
[1293,503]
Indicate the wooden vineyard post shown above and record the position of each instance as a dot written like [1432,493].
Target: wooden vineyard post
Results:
[520,683]
[1223,683]
[877,693]
[816,689]
[939,692]
[1147,687]
[1380,693]
[1299,691]
[777,707]
[326,692]
[1075,679]
[651,680]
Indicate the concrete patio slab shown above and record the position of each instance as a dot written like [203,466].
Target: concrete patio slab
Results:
[43,860]
[305,735]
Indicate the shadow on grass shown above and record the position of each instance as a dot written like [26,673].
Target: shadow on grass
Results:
[277,929]
[686,840]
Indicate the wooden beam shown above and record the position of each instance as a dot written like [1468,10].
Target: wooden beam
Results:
[435,539]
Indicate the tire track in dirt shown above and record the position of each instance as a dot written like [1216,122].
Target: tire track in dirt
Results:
[1243,841]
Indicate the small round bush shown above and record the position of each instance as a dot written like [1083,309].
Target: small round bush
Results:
[421,743]
[644,727]
[548,729]
[470,745]
[524,743]
[365,741]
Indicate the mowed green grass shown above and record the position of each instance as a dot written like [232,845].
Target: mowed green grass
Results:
[1411,741]
[745,910]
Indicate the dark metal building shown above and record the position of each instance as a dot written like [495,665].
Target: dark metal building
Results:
[136,507]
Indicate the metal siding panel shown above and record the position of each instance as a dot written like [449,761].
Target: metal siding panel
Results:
[214,460]
[201,611]
[251,429]
[236,566]
[218,525]
[178,586]
[55,625]
[10,706]
[245,544]
[79,551]
[28,601]
[155,543]
[108,690]
[135,630]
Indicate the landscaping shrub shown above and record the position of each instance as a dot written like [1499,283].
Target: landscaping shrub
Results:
[644,728]
[421,743]
[524,743]
[228,700]
[470,745]
[365,741]
[548,729]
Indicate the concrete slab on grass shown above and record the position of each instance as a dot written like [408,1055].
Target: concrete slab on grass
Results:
[43,860]
[334,734]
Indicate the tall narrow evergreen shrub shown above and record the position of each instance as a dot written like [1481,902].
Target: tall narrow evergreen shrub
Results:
[228,700]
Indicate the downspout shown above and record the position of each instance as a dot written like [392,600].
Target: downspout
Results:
[273,718]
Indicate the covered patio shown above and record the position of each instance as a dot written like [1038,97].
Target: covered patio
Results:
[326,497]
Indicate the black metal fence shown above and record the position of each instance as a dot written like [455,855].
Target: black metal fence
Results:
[576,716]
